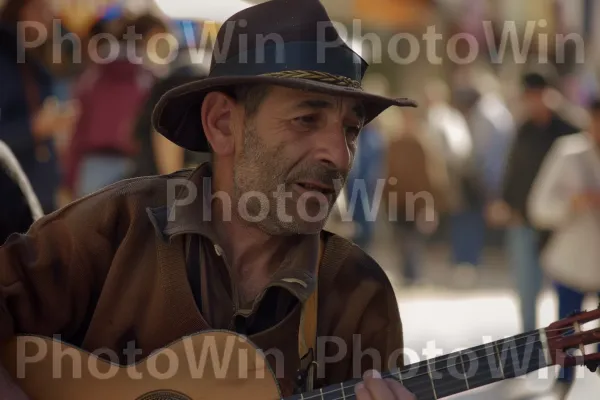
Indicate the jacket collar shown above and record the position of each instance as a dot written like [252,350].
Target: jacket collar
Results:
[189,213]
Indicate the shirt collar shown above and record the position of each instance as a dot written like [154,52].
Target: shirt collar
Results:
[189,213]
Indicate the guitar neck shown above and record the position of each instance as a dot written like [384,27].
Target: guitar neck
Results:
[460,371]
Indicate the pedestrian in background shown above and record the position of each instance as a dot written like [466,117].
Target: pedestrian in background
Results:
[565,199]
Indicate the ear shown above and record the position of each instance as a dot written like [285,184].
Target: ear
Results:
[218,110]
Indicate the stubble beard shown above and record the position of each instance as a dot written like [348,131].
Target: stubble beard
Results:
[264,171]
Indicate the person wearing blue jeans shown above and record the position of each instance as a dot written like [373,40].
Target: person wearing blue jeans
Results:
[412,247]
[467,236]
[569,301]
[532,142]
[522,248]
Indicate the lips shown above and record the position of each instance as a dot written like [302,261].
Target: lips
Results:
[315,187]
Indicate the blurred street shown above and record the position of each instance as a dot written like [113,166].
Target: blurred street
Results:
[465,317]
[482,204]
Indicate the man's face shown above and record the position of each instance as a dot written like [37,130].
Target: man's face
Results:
[534,102]
[295,154]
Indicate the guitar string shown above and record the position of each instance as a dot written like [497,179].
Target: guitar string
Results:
[395,377]
[485,347]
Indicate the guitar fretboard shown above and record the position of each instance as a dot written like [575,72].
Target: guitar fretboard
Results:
[456,372]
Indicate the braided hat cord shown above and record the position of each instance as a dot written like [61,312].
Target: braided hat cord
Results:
[317,76]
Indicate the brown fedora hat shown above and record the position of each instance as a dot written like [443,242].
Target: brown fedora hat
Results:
[289,43]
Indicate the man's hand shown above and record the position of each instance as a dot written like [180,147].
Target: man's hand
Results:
[375,388]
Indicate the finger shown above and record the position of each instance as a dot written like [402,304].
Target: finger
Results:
[399,391]
[377,387]
[362,393]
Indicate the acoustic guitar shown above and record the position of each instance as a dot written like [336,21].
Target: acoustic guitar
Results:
[224,365]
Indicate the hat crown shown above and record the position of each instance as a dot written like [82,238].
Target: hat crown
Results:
[275,29]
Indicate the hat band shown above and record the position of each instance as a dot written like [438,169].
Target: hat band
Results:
[304,60]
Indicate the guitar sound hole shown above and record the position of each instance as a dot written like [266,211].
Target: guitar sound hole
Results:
[164,395]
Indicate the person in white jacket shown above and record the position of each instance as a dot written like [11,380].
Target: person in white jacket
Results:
[565,199]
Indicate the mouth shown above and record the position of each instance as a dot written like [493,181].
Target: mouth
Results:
[315,187]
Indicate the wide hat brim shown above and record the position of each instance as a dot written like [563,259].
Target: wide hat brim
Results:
[177,114]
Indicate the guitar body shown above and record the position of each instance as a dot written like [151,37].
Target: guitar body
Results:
[209,365]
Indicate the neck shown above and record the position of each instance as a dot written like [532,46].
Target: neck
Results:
[251,254]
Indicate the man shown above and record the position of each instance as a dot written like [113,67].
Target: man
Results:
[491,129]
[149,260]
[417,164]
[534,139]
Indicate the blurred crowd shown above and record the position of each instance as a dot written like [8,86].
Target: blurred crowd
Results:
[463,161]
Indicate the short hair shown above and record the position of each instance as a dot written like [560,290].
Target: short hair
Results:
[535,81]
[251,96]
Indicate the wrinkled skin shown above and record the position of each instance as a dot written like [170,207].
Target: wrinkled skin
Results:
[295,137]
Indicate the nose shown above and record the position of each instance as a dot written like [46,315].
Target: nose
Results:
[334,149]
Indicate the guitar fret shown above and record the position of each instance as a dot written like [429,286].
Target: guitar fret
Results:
[544,340]
[417,380]
[432,381]
[399,374]
[480,366]
[458,372]
[348,389]
[448,375]
[521,355]
[499,360]
[462,363]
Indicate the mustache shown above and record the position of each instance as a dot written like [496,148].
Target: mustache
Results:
[322,174]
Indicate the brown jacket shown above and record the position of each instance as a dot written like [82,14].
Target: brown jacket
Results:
[111,269]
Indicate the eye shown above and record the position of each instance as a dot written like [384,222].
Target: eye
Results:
[306,121]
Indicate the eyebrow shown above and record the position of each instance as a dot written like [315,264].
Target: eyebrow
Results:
[358,109]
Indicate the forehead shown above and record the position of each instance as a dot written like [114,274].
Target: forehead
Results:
[288,98]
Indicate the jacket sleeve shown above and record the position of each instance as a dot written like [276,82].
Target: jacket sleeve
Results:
[49,275]
[549,202]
